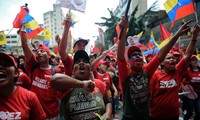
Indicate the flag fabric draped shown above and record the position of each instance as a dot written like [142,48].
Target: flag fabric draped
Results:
[164,33]
[95,49]
[2,38]
[27,22]
[177,9]
[47,34]
[165,36]
[74,19]
[189,33]
[140,35]
[78,5]
[101,38]
[117,28]
[151,43]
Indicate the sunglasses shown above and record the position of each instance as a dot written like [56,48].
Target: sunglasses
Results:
[135,55]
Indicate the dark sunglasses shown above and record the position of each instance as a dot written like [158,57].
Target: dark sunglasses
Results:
[135,55]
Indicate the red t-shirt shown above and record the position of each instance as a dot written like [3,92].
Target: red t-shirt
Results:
[164,92]
[124,70]
[40,85]
[68,63]
[23,81]
[194,79]
[22,104]
[105,78]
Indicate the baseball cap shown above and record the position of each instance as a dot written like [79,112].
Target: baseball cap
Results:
[176,53]
[193,56]
[81,54]
[44,48]
[102,62]
[131,49]
[80,40]
[8,58]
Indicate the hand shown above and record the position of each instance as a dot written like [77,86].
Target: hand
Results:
[21,33]
[57,38]
[123,22]
[68,21]
[184,28]
[195,31]
[88,85]
[115,95]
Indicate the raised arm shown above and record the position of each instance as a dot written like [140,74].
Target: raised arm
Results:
[63,43]
[63,82]
[27,51]
[166,48]
[121,46]
[102,56]
[191,46]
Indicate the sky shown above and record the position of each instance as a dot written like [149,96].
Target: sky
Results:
[85,28]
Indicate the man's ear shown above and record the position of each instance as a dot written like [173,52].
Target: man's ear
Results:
[16,72]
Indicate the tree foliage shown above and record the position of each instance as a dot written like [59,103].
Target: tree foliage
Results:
[136,25]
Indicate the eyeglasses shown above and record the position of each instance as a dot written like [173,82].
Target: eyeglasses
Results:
[5,64]
[135,55]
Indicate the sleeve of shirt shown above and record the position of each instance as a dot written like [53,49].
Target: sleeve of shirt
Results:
[122,70]
[101,86]
[36,111]
[152,66]
[26,81]
[68,63]
[30,64]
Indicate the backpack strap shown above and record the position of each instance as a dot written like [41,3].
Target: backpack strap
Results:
[53,70]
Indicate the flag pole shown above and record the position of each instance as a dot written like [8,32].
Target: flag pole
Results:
[196,16]
[126,14]
[9,31]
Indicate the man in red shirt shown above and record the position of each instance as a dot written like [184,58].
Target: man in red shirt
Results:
[78,45]
[16,102]
[40,73]
[135,76]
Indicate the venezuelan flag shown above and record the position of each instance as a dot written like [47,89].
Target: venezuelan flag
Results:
[140,35]
[28,22]
[151,43]
[177,9]
[2,38]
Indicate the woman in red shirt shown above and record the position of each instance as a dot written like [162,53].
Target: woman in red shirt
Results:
[164,84]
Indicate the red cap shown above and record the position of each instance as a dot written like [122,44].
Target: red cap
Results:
[44,48]
[8,58]
[193,56]
[149,55]
[176,53]
[101,62]
[133,48]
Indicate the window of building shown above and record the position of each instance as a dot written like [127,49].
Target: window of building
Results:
[13,36]
[7,36]
[14,42]
[8,41]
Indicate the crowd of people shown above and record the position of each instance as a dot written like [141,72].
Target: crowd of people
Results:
[38,85]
